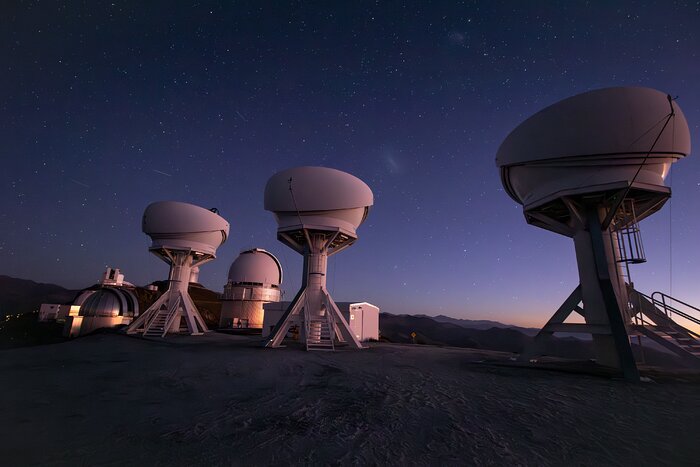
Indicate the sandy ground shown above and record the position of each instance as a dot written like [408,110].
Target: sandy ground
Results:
[221,400]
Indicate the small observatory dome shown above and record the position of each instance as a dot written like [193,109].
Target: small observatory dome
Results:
[256,266]
[110,302]
[182,226]
[253,280]
[319,196]
[591,140]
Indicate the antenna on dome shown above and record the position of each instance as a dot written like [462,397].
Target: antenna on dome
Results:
[185,236]
[670,103]
[296,208]
[318,220]
[574,172]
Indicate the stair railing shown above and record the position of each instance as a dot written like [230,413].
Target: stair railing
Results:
[171,315]
[664,304]
[635,309]
[307,328]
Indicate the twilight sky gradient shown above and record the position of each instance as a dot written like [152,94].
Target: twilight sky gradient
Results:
[105,107]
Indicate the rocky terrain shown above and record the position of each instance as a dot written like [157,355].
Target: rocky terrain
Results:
[109,399]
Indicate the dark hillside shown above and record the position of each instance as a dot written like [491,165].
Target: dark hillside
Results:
[19,296]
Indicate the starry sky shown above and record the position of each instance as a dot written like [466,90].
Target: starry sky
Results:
[108,106]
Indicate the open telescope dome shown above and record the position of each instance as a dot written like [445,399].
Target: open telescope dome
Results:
[182,226]
[256,266]
[110,302]
[320,196]
[593,139]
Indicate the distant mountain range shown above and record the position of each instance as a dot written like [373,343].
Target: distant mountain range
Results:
[443,331]
[479,324]
[487,324]
[19,296]
[489,335]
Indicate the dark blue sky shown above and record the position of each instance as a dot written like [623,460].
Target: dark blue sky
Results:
[105,107]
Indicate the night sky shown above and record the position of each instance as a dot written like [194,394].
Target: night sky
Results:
[106,107]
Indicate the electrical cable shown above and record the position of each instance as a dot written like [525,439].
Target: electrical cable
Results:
[668,119]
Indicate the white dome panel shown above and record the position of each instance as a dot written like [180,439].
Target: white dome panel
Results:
[610,121]
[172,224]
[316,189]
[593,140]
[110,302]
[256,266]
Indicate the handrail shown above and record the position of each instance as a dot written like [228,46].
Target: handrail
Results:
[673,309]
[171,315]
[638,315]
[665,308]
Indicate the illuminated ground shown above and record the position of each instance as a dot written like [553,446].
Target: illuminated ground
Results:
[221,400]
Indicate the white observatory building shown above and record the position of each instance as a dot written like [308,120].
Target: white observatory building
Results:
[254,279]
[111,303]
[590,167]
[59,312]
[184,236]
[107,307]
[318,211]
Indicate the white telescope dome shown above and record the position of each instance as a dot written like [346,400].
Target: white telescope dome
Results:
[110,302]
[322,196]
[592,139]
[183,226]
[256,266]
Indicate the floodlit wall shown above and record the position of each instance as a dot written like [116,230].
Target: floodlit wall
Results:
[242,306]
[242,314]
[81,325]
[106,307]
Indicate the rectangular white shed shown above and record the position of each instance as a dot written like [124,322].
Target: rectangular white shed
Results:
[363,319]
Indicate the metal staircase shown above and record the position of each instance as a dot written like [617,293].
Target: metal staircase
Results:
[319,335]
[652,317]
[158,325]
[676,341]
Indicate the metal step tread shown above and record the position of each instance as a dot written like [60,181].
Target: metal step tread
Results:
[156,328]
[320,336]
